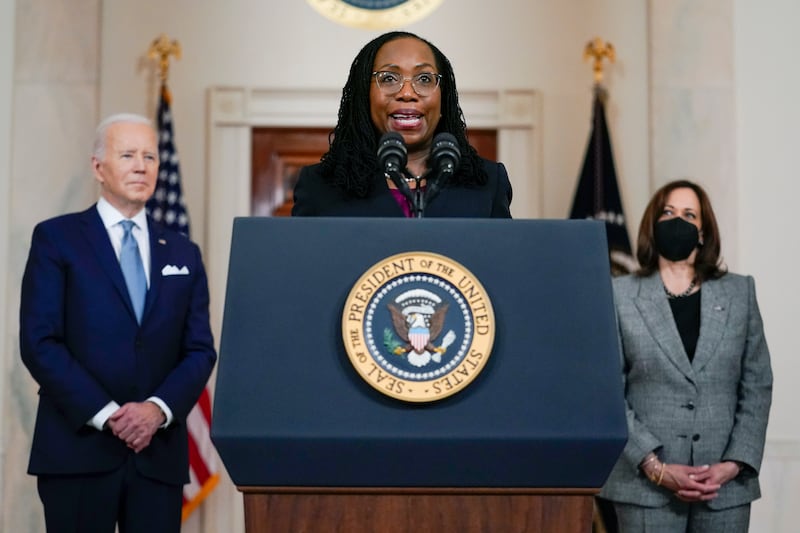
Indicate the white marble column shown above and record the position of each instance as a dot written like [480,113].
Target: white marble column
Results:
[693,134]
[692,103]
[54,111]
[6,91]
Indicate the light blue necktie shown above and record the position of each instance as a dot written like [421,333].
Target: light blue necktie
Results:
[132,269]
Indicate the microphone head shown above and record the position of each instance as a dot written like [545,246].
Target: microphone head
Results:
[392,151]
[445,154]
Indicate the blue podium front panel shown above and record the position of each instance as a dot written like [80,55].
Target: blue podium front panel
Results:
[546,410]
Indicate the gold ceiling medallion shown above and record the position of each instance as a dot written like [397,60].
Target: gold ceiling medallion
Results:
[375,14]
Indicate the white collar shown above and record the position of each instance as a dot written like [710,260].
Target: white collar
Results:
[111,216]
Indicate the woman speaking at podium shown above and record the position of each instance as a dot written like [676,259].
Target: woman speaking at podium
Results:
[698,382]
[400,145]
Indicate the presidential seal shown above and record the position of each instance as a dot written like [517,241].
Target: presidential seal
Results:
[418,326]
[374,14]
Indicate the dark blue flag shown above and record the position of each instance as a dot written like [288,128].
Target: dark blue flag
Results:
[167,206]
[597,196]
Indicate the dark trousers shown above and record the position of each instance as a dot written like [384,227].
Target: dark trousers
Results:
[97,503]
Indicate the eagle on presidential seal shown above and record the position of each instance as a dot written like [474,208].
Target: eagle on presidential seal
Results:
[418,319]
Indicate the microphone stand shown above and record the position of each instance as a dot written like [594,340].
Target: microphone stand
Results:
[416,198]
[419,195]
[393,156]
[398,177]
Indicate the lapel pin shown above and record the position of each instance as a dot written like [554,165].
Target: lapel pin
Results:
[718,308]
[162,241]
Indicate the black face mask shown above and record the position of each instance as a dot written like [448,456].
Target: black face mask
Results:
[676,238]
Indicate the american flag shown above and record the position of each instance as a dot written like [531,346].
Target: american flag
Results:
[597,196]
[167,207]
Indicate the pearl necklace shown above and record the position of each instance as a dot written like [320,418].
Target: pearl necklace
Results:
[684,294]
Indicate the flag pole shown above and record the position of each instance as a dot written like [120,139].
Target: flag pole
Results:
[161,49]
[597,50]
[167,207]
[598,196]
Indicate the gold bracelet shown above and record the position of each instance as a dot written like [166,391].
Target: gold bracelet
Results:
[661,474]
[647,461]
[653,474]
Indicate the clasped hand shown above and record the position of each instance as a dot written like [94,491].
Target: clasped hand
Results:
[136,423]
[698,483]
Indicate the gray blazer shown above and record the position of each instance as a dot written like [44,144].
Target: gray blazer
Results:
[710,410]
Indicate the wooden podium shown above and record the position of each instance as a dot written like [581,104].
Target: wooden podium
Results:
[319,510]
[314,448]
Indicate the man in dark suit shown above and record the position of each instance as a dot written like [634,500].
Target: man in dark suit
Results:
[114,327]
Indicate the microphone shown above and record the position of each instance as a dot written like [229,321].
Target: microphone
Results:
[392,158]
[392,153]
[445,157]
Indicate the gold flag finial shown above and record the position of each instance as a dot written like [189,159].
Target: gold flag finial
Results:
[161,49]
[597,50]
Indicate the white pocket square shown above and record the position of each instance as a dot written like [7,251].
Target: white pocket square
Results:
[172,270]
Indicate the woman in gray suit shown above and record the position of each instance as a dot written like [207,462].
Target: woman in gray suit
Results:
[697,376]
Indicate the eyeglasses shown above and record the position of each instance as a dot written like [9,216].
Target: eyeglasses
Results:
[390,83]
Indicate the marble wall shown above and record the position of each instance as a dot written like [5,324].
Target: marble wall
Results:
[55,110]
[692,102]
[6,90]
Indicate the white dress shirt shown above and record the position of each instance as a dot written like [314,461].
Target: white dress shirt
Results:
[111,219]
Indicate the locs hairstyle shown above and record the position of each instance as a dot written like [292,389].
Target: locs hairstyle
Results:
[351,162]
[707,263]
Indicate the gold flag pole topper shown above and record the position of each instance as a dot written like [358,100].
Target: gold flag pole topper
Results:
[161,49]
[598,50]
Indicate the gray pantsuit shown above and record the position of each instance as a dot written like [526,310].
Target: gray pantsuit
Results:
[712,409]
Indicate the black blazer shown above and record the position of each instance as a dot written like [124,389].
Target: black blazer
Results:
[313,196]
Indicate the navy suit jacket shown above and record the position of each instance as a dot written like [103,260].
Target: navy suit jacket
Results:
[313,196]
[80,341]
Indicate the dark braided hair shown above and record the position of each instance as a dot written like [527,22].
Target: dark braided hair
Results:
[351,162]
